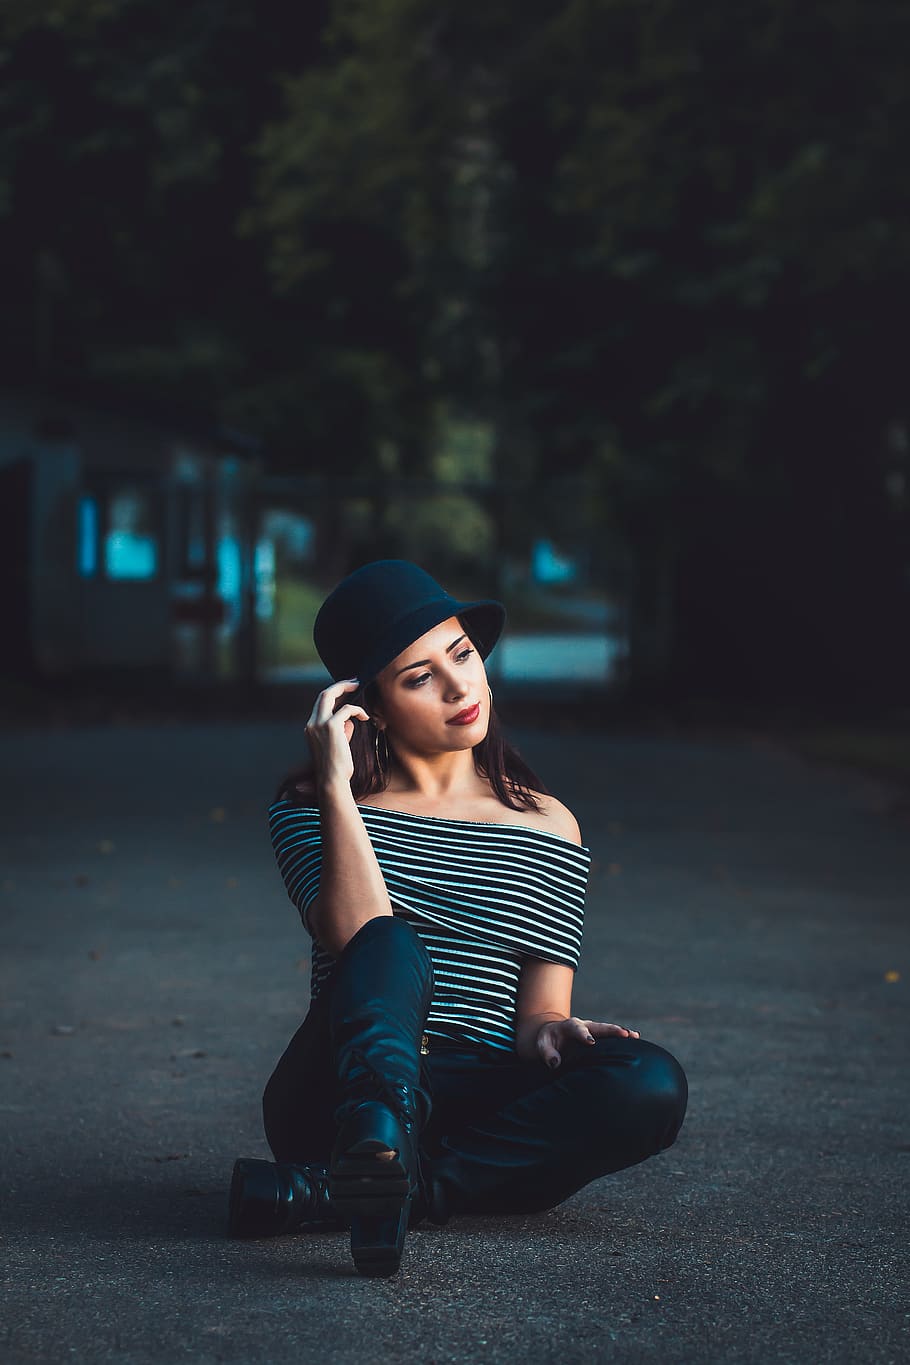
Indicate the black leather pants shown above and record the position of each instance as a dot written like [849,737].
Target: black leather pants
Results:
[504,1135]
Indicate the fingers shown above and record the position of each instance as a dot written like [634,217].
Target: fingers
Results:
[611,1030]
[585,1031]
[577,1030]
[546,1050]
[561,1031]
[329,697]
[348,711]
[324,705]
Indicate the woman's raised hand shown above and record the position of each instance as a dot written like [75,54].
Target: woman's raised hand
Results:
[553,1036]
[329,733]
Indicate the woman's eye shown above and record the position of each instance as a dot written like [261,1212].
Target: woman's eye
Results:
[417,682]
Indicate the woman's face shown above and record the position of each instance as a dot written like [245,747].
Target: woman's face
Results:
[434,679]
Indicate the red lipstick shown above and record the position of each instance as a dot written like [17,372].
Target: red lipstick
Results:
[466,717]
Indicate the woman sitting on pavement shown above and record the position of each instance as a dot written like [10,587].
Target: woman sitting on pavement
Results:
[439,1070]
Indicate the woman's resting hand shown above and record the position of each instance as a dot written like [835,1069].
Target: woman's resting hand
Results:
[555,1033]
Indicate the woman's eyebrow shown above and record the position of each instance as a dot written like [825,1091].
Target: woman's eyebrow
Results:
[421,662]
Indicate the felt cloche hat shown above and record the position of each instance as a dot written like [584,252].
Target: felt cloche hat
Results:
[384,606]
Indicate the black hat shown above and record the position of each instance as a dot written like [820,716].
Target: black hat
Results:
[384,606]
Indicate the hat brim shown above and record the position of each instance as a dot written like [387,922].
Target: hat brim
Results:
[484,622]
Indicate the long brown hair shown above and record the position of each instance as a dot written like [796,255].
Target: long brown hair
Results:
[494,758]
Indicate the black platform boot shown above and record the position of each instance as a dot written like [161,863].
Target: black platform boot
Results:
[375,1192]
[267,1199]
[380,998]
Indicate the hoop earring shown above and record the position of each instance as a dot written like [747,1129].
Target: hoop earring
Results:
[379,763]
[490,690]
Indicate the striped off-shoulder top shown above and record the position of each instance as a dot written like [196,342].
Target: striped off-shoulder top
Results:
[483,897]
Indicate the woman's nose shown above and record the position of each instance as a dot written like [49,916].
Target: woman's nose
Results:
[456,685]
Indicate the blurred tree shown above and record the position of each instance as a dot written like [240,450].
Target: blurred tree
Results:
[351,205]
[124,166]
[700,288]
[664,246]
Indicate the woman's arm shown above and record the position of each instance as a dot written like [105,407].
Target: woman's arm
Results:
[545,988]
[544,995]
[543,1010]
[351,886]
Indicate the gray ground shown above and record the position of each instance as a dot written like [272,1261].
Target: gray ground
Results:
[745,910]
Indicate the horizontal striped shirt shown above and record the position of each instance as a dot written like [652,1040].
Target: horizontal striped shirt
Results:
[483,898]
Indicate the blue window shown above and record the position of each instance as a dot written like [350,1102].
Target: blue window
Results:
[130,542]
[117,532]
[87,537]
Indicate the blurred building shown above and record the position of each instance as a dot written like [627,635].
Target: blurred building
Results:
[123,546]
[132,548]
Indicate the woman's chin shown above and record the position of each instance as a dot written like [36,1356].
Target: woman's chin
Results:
[473,734]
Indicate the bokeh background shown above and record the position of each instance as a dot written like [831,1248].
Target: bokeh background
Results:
[597,307]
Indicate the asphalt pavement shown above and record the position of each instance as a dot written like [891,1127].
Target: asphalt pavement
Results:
[747,910]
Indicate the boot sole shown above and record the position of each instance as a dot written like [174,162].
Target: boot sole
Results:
[372,1195]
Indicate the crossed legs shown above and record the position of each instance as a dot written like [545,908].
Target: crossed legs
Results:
[503,1135]
[606,1107]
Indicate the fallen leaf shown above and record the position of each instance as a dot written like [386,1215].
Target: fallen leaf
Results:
[231,882]
[892,976]
[94,954]
[105,846]
[218,815]
[614,869]
[81,879]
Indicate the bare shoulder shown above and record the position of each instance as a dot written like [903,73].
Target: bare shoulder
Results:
[558,818]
